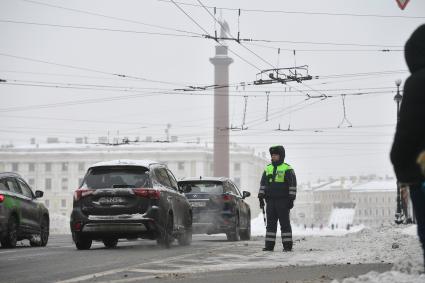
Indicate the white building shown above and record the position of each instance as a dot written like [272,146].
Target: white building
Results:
[375,202]
[58,169]
[371,200]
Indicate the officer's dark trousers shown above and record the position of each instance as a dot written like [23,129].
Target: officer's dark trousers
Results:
[277,209]
[417,194]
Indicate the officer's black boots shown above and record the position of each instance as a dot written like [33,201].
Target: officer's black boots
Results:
[287,246]
[267,250]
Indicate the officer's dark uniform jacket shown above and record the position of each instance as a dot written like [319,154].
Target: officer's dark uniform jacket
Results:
[279,186]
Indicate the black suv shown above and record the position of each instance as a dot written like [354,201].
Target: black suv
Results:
[21,215]
[218,207]
[130,199]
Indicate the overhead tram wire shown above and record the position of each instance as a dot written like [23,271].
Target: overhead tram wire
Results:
[107,16]
[88,69]
[201,36]
[387,50]
[206,32]
[103,29]
[301,13]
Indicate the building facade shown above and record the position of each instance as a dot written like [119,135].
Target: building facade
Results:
[58,169]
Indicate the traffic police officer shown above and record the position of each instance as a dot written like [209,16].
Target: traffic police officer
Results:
[278,188]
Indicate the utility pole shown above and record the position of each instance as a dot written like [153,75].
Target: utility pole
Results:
[399,217]
[221,62]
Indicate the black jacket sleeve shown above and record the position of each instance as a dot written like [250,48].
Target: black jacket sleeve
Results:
[409,139]
[291,179]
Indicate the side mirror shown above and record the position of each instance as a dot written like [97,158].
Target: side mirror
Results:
[245,194]
[39,194]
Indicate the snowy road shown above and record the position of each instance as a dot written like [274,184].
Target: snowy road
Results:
[213,259]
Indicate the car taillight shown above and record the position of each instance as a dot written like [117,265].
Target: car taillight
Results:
[2,197]
[227,197]
[147,193]
[80,193]
[77,226]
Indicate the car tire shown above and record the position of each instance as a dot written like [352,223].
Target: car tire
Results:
[12,234]
[165,237]
[185,239]
[45,231]
[82,242]
[234,234]
[246,234]
[110,243]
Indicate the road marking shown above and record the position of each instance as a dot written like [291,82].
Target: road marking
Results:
[113,271]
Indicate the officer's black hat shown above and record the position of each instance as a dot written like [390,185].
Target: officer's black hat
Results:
[278,149]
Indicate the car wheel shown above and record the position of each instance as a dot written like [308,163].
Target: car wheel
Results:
[234,234]
[246,234]
[82,242]
[40,240]
[110,243]
[12,234]
[166,238]
[185,239]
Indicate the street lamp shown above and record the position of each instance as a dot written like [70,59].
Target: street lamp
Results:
[397,99]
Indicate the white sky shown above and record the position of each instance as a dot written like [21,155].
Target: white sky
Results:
[184,61]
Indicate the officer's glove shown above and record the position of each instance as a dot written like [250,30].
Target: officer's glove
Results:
[291,204]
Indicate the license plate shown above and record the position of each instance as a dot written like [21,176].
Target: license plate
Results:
[111,200]
[198,204]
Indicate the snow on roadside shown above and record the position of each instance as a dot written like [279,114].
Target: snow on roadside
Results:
[408,268]
[258,229]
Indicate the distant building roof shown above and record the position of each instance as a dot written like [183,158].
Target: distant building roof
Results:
[376,186]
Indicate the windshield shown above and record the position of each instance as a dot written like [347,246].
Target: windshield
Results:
[117,177]
[203,187]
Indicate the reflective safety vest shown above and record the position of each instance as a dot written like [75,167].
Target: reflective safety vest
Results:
[280,173]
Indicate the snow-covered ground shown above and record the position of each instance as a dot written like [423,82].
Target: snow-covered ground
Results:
[396,244]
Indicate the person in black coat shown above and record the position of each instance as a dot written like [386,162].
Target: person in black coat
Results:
[409,139]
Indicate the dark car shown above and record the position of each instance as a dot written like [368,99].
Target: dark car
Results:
[130,199]
[21,215]
[218,207]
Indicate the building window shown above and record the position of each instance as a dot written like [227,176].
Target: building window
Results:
[48,184]
[81,166]
[64,166]
[31,182]
[15,167]
[63,203]
[31,167]
[237,166]
[64,184]
[48,167]
[180,165]
[47,203]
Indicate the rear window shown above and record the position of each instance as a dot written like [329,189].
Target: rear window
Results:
[117,177]
[203,187]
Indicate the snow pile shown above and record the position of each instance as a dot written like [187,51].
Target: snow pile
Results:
[258,229]
[341,217]
[59,224]
[409,268]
